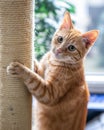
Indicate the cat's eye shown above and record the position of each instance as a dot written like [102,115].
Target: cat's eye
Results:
[71,48]
[60,39]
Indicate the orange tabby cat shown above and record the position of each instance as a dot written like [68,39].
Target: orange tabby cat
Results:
[58,82]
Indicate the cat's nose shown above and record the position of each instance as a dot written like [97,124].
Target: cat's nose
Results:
[59,50]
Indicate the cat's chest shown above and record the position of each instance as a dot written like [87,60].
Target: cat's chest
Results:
[50,71]
[56,73]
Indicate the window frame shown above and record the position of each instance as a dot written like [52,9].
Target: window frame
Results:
[95,82]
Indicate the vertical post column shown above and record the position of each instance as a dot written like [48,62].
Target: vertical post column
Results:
[16,44]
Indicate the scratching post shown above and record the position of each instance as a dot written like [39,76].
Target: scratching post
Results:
[16,33]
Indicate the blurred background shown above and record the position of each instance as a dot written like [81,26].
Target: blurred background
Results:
[86,15]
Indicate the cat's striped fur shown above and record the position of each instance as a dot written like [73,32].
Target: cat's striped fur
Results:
[58,82]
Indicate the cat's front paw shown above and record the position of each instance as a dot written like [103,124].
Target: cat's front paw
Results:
[15,69]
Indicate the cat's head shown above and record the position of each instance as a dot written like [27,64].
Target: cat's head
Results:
[68,44]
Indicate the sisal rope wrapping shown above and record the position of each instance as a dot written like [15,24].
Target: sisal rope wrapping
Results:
[16,38]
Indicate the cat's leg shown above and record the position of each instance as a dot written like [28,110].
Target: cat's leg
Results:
[36,66]
[35,84]
[47,92]
[18,70]
[39,67]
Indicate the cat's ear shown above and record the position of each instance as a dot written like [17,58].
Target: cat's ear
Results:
[90,37]
[67,22]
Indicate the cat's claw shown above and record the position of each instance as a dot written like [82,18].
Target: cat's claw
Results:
[15,68]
